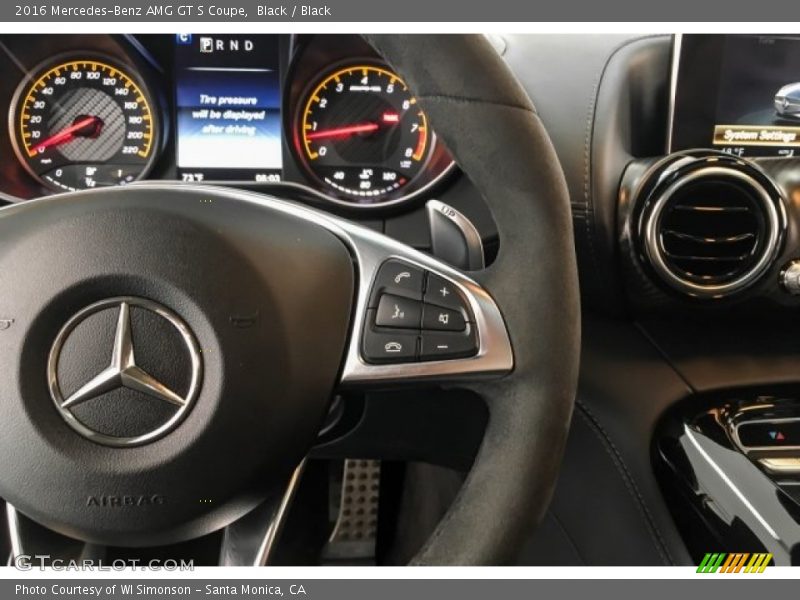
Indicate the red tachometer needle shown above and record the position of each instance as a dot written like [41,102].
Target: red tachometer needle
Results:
[343,131]
[89,125]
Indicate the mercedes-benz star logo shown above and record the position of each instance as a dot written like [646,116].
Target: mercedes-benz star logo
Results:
[123,372]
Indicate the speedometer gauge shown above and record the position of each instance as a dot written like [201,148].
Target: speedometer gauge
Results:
[363,136]
[84,123]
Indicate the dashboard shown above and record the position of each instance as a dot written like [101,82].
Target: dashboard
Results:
[322,119]
[244,110]
[689,259]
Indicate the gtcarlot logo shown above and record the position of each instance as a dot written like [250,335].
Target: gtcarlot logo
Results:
[29,562]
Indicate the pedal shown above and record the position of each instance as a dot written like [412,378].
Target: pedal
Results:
[355,532]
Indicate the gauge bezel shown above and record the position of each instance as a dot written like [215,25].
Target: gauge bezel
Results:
[437,151]
[39,70]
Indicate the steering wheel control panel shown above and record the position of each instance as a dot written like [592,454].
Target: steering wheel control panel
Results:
[416,315]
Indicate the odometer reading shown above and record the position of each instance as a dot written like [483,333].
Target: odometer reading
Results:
[363,135]
[83,124]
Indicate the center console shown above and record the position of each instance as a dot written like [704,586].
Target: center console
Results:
[732,473]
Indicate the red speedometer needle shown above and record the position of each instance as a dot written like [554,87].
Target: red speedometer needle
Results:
[344,131]
[85,127]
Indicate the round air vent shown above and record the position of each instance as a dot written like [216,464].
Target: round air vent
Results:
[711,227]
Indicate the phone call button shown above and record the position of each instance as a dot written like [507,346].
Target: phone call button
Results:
[398,277]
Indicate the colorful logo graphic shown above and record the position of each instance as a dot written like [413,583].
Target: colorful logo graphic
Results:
[742,562]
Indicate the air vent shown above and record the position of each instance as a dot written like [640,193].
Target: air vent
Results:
[712,232]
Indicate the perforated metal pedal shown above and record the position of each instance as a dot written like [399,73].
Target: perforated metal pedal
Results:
[354,534]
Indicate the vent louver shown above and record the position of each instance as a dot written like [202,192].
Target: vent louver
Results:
[712,232]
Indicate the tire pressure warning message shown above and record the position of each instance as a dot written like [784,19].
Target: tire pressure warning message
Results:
[228,107]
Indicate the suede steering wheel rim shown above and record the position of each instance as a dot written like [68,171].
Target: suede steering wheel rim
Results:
[461,80]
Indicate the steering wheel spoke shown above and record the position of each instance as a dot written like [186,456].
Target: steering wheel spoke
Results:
[34,541]
[251,540]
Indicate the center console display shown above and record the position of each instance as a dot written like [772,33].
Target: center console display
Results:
[228,105]
[737,93]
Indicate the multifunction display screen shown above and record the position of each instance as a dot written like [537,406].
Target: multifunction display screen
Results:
[738,94]
[228,105]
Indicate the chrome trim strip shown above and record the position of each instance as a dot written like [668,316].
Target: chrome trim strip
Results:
[12,518]
[369,250]
[250,541]
[781,464]
[267,546]
[730,484]
[652,236]
[673,86]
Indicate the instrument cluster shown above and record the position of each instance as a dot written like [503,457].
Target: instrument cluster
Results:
[247,110]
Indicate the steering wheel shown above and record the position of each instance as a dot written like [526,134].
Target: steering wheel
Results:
[168,352]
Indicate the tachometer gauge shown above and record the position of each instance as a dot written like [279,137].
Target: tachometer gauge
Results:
[363,136]
[80,124]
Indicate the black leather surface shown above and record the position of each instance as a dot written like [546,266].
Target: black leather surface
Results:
[600,515]
[608,505]
[596,518]
[630,122]
[493,131]
[730,353]
[603,101]
[563,78]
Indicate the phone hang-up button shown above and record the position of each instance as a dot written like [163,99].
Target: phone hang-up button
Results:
[380,347]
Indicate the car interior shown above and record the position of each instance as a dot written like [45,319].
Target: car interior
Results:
[332,299]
